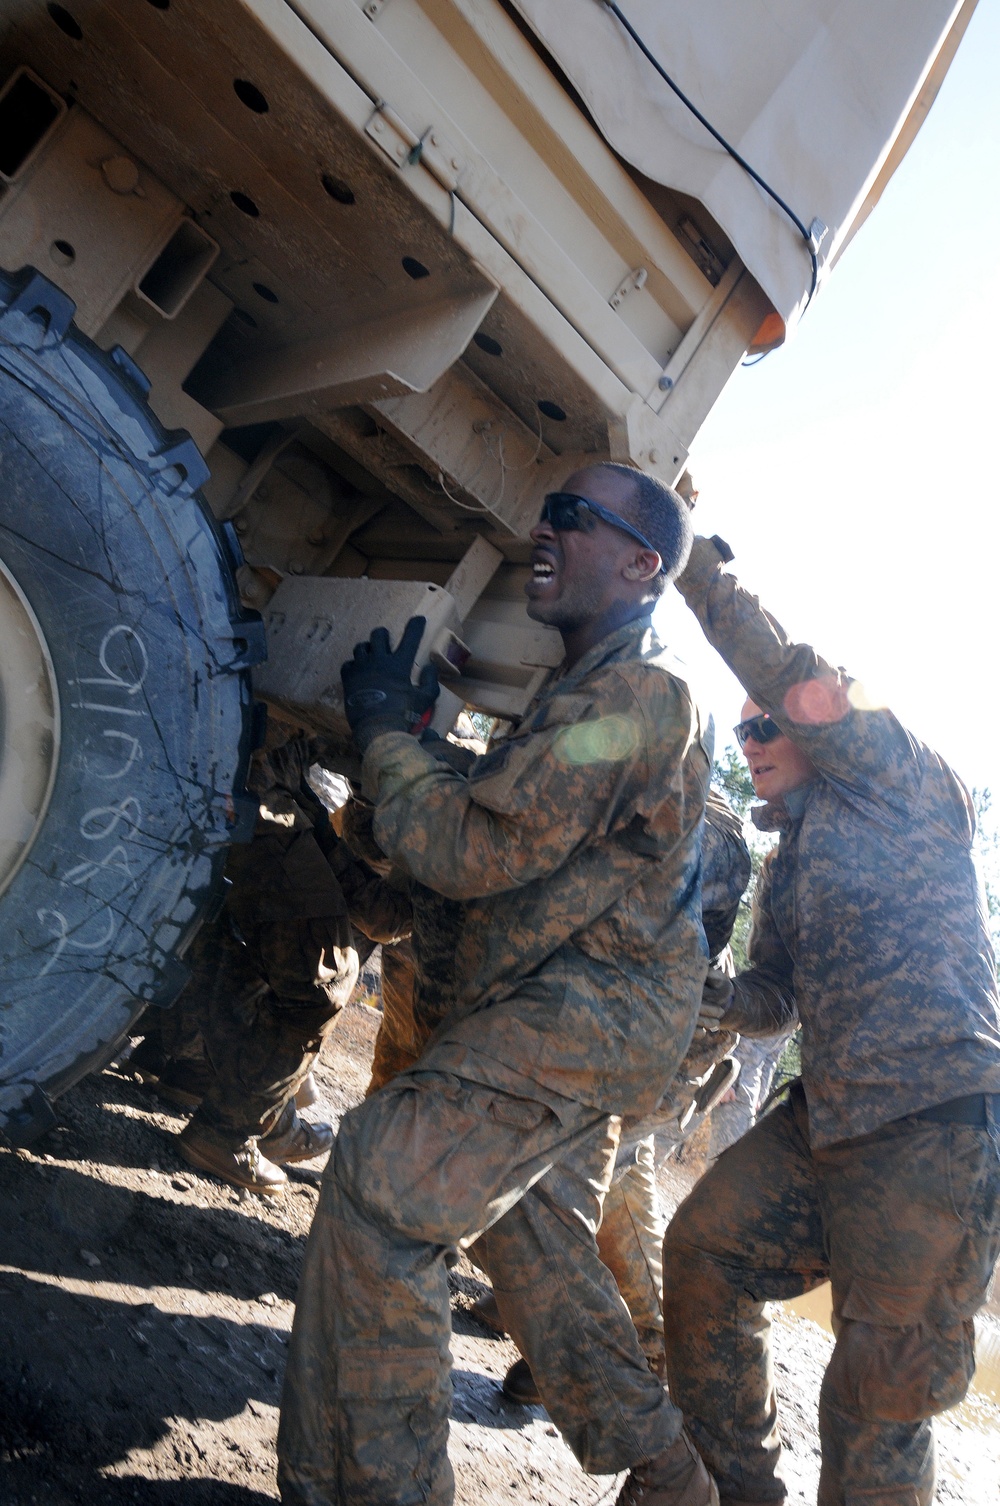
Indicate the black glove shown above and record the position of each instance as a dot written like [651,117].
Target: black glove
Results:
[379,695]
[453,754]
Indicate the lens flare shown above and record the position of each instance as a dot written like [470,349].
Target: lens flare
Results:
[609,739]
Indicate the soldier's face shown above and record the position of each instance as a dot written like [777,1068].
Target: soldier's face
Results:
[775,767]
[577,573]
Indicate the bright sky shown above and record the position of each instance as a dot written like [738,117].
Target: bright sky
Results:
[854,472]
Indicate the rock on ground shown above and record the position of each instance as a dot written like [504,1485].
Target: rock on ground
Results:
[145,1312]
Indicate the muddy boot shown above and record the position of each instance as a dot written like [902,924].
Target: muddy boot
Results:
[519,1385]
[677,1477]
[294,1139]
[487,1313]
[241,1165]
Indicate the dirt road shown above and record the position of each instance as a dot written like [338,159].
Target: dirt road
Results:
[145,1310]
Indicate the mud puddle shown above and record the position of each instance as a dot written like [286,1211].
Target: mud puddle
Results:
[817,1305]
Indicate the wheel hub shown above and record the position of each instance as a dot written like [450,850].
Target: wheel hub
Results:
[29,727]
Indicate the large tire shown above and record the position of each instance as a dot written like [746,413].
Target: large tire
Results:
[125,703]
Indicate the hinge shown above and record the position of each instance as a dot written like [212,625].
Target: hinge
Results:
[631,284]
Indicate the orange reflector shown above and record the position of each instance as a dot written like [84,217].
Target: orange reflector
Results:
[770,334]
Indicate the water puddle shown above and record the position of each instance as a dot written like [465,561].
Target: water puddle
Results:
[818,1306]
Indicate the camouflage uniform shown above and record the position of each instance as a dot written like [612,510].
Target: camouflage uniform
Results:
[418,970]
[575,848]
[271,976]
[876,1174]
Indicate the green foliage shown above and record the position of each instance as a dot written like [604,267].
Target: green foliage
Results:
[731,775]
[483,723]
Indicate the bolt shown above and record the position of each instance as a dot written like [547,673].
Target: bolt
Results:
[665,383]
[380,125]
[120,174]
[655,456]
[296,568]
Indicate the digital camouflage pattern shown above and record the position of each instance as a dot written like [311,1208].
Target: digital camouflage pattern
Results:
[905,1223]
[271,976]
[630,1235]
[575,848]
[873,921]
[869,927]
[418,972]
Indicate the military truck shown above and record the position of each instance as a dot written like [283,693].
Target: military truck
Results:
[306,304]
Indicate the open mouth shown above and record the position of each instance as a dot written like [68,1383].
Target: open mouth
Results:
[543,572]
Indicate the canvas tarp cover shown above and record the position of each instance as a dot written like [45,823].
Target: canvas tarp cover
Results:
[822,98]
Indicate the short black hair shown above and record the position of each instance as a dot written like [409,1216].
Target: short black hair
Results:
[663,516]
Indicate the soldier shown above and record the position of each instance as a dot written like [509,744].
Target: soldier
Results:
[630,1239]
[882,1171]
[270,980]
[575,845]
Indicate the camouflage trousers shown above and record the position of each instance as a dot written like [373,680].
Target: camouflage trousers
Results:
[449,1151]
[269,979]
[630,1243]
[905,1223]
[399,1040]
[630,1237]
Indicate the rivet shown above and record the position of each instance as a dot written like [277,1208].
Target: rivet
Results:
[120,174]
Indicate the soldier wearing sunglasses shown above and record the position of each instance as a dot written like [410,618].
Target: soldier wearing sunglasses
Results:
[881,1172]
[575,846]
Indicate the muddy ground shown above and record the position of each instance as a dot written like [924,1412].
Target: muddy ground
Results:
[145,1311]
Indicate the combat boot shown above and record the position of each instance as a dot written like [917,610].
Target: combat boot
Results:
[485,1310]
[677,1477]
[294,1139]
[241,1165]
[519,1385]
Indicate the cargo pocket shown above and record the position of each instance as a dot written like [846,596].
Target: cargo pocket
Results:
[893,1360]
[393,1406]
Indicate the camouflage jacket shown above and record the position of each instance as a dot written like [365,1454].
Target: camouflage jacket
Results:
[575,846]
[726,870]
[870,920]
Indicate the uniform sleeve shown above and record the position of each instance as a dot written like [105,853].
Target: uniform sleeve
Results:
[763,996]
[377,908]
[725,872]
[578,773]
[865,751]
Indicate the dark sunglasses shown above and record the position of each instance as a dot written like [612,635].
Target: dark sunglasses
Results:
[760,728]
[566,512]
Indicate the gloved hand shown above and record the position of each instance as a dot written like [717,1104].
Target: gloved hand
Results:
[379,695]
[453,754]
[716,997]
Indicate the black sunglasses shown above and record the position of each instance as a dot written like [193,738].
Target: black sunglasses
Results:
[760,728]
[567,512]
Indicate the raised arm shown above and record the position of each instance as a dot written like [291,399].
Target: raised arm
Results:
[816,705]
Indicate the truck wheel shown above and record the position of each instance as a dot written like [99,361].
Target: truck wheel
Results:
[125,702]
